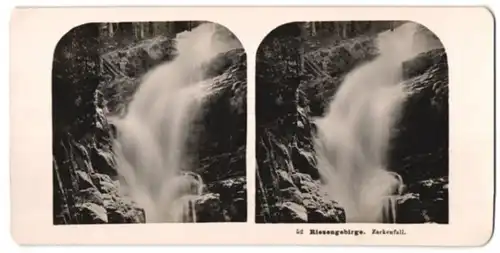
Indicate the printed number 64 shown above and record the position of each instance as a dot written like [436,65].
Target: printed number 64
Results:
[300,231]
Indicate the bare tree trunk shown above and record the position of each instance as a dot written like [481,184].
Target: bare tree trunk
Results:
[169,28]
[136,31]
[103,30]
[344,31]
[303,32]
[110,30]
[142,30]
[313,28]
[153,27]
[337,26]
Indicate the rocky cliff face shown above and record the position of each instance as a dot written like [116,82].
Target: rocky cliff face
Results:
[87,88]
[328,67]
[123,68]
[83,167]
[221,142]
[288,186]
[420,146]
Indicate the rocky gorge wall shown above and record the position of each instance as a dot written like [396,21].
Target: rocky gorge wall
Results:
[288,186]
[83,165]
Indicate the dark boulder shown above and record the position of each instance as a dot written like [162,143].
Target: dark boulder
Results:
[232,194]
[90,213]
[292,212]
[288,189]
[208,208]
[425,113]
[426,201]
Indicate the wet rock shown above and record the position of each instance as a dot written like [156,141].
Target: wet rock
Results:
[224,62]
[299,179]
[320,208]
[220,130]
[292,212]
[305,183]
[233,196]
[126,66]
[330,65]
[90,213]
[284,179]
[97,199]
[423,162]
[123,211]
[104,183]
[102,156]
[118,93]
[237,210]
[339,59]
[319,216]
[90,195]
[84,180]
[105,194]
[305,161]
[413,157]
[308,193]
[430,187]
[336,214]
[135,59]
[423,62]
[220,135]
[292,194]
[409,209]
[208,208]
[426,201]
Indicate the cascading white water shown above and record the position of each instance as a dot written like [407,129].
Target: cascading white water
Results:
[353,136]
[150,147]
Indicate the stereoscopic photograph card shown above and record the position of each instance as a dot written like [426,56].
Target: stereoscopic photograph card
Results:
[205,125]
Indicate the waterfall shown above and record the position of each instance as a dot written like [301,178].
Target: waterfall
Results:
[152,161]
[353,137]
